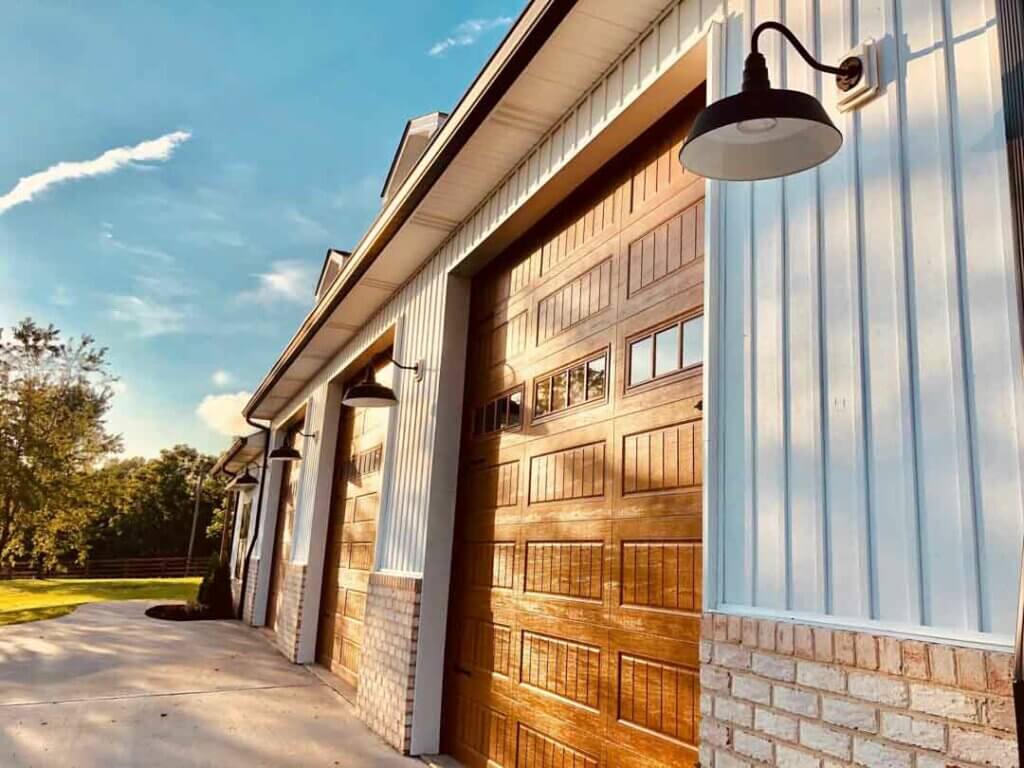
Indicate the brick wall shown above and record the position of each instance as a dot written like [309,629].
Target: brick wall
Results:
[250,592]
[289,614]
[388,662]
[790,695]
[236,594]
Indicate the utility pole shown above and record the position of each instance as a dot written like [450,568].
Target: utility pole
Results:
[195,519]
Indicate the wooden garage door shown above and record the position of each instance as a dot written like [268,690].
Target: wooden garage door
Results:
[574,610]
[351,536]
[283,529]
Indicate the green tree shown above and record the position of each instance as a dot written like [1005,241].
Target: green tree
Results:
[54,397]
[146,506]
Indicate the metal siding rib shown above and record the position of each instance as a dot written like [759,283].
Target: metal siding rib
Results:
[418,305]
[916,463]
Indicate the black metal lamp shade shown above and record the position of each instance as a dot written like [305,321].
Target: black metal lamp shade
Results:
[244,481]
[369,394]
[764,132]
[284,453]
[760,134]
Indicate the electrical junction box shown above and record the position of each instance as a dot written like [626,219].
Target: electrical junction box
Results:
[870,81]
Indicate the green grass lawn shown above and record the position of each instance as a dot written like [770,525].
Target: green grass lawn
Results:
[24,600]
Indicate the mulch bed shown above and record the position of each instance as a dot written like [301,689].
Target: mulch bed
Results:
[182,612]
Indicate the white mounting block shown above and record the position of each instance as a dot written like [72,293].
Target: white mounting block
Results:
[869,85]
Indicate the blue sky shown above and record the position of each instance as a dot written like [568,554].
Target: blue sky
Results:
[171,175]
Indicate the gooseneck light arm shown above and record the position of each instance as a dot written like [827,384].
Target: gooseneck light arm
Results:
[416,368]
[848,73]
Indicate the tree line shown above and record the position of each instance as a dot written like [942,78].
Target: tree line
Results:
[65,494]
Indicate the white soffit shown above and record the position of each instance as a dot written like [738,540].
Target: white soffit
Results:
[500,158]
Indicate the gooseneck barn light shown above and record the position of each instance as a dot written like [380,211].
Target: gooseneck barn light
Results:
[369,393]
[244,481]
[286,452]
[764,132]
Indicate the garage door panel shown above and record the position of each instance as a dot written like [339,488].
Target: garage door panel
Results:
[360,531]
[566,560]
[498,347]
[562,669]
[640,314]
[489,563]
[657,178]
[662,257]
[568,472]
[355,580]
[351,536]
[579,226]
[683,391]
[681,205]
[579,301]
[482,733]
[492,487]
[656,695]
[542,742]
[576,595]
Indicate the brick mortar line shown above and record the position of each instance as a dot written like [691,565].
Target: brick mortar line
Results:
[980,699]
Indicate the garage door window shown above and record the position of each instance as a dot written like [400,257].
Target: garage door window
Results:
[580,383]
[666,350]
[504,412]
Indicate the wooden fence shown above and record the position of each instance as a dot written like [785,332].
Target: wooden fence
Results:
[122,568]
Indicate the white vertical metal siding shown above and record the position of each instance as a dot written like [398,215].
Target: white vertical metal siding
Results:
[417,309]
[869,348]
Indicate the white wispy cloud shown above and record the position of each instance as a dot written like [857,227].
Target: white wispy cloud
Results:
[468,32]
[286,281]
[148,318]
[110,240]
[28,187]
[221,378]
[165,285]
[223,413]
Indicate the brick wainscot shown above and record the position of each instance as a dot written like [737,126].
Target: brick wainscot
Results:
[289,620]
[388,662]
[786,694]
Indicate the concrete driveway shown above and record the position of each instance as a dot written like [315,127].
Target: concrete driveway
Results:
[106,686]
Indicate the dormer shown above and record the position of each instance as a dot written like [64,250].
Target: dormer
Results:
[334,261]
[417,135]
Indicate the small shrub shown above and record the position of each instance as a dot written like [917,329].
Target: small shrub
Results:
[215,590]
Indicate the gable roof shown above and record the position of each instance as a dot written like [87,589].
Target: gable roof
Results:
[335,258]
[426,126]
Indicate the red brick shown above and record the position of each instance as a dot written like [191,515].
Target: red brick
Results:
[867,652]
[721,627]
[970,669]
[844,649]
[890,659]
[707,626]
[735,629]
[999,667]
[750,632]
[943,664]
[784,638]
[823,644]
[766,635]
[803,641]
[915,659]
[998,713]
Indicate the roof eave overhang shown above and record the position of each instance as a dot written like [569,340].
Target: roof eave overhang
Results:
[529,33]
[244,450]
